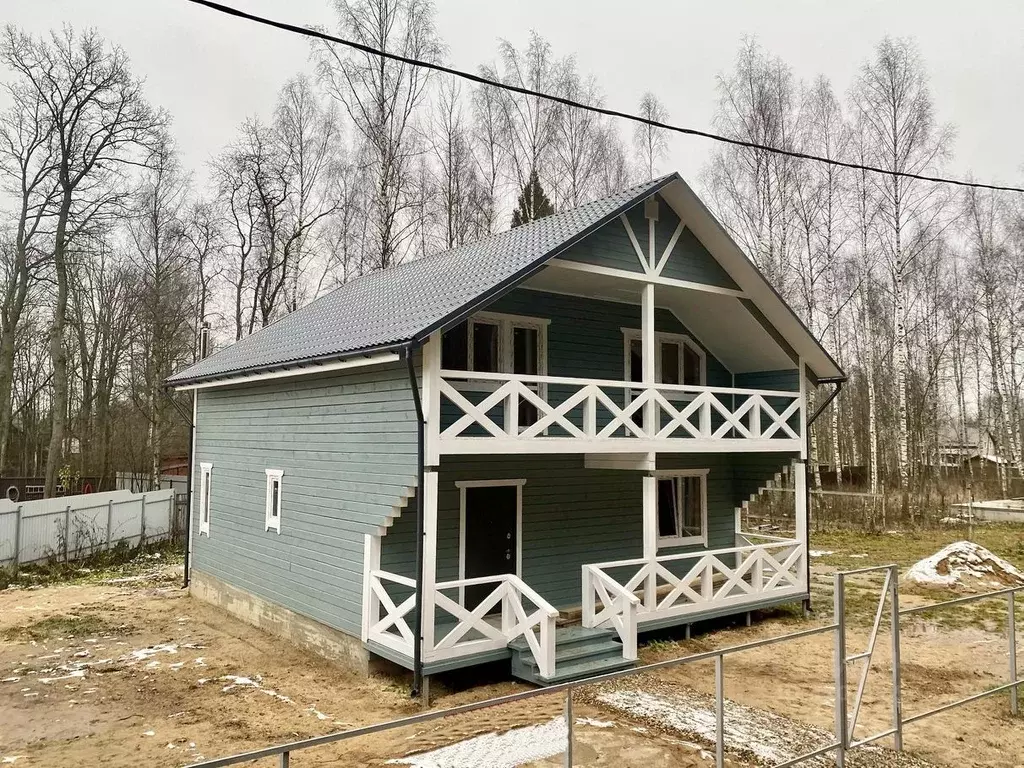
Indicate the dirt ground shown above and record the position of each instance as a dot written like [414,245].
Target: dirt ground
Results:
[134,672]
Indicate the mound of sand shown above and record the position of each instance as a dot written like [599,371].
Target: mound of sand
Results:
[967,566]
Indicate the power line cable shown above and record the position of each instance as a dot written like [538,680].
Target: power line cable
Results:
[474,78]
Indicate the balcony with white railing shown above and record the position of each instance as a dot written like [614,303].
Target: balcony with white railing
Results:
[684,585]
[498,413]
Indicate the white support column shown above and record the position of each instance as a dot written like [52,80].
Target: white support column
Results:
[429,558]
[371,603]
[432,399]
[800,511]
[650,533]
[805,438]
[648,352]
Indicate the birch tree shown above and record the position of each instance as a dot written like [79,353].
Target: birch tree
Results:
[893,101]
[380,97]
[650,142]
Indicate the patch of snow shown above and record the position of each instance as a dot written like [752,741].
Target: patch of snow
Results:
[9,759]
[144,653]
[820,552]
[177,666]
[235,681]
[72,674]
[10,680]
[692,716]
[319,715]
[859,556]
[594,723]
[149,733]
[960,563]
[492,750]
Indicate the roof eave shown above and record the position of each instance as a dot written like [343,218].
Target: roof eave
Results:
[314,364]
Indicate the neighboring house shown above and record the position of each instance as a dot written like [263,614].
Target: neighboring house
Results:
[446,462]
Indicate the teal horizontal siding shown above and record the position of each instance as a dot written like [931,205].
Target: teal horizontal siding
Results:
[573,515]
[347,445]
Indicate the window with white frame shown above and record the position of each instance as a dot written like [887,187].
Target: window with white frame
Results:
[274,499]
[498,343]
[682,508]
[677,359]
[205,489]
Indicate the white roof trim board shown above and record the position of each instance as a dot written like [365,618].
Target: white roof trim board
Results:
[398,307]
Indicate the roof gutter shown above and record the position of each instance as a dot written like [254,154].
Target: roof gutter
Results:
[417,647]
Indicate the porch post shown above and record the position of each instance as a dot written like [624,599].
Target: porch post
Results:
[432,458]
[429,558]
[650,506]
[800,509]
[648,349]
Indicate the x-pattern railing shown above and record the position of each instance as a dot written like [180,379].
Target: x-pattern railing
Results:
[762,570]
[488,405]
[478,629]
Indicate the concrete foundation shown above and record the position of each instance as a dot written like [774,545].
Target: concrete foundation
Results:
[332,644]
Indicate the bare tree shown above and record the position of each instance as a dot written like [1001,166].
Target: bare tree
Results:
[650,142]
[99,120]
[28,168]
[528,127]
[381,96]
[578,149]
[893,103]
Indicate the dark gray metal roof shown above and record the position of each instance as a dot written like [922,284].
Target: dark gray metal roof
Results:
[392,307]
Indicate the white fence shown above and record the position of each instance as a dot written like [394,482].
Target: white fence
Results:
[71,527]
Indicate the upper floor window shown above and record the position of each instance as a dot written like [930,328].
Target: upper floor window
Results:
[499,343]
[496,343]
[677,359]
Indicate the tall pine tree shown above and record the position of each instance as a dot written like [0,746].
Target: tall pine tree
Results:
[533,204]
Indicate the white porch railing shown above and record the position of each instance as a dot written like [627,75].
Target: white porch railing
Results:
[480,411]
[523,613]
[475,631]
[392,629]
[670,586]
[606,603]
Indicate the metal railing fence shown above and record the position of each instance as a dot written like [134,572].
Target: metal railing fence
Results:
[844,727]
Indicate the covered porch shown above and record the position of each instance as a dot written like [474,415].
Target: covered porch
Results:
[583,551]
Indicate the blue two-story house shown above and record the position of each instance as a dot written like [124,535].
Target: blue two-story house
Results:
[532,447]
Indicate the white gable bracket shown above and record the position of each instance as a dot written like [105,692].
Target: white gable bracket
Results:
[669,248]
[641,256]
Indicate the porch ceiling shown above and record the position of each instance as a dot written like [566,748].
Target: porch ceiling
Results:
[721,322]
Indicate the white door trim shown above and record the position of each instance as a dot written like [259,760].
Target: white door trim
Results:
[462,485]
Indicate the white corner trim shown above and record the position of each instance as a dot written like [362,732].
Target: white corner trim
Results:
[273,514]
[462,485]
[288,373]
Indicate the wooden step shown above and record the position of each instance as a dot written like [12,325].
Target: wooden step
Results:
[579,653]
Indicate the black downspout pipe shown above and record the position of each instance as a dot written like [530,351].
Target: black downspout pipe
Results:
[204,343]
[417,646]
[838,382]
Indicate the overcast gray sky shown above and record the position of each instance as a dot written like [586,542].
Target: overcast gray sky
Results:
[211,71]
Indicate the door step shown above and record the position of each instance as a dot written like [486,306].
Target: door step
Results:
[579,653]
